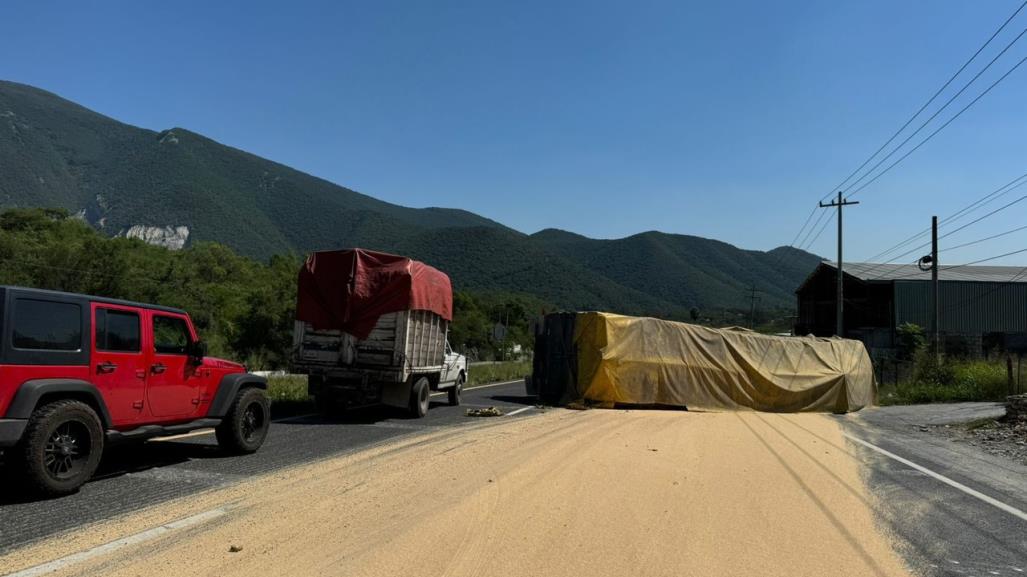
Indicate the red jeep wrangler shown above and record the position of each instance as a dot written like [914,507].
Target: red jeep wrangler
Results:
[79,371]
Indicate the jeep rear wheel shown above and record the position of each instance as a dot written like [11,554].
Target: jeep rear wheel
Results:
[420,397]
[61,448]
[246,424]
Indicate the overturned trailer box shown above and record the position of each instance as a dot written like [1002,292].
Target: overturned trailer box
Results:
[608,360]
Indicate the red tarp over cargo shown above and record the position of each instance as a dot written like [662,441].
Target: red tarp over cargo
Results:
[349,289]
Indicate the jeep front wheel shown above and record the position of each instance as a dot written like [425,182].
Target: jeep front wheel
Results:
[246,424]
[61,448]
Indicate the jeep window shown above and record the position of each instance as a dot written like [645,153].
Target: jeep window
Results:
[170,335]
[117,331]
[47,325]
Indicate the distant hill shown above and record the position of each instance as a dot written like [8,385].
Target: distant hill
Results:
[177,187]
[688,269]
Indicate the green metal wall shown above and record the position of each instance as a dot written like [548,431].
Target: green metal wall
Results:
[966,307]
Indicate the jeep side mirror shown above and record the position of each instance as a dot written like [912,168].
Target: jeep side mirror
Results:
[197,350]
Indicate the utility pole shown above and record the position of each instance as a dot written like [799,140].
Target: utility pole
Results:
[932,261]
[934,286]
[752,305]
[839,204]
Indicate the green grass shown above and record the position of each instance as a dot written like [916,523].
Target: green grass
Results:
[288,395]
[965,381]
[498,372]
[980,424]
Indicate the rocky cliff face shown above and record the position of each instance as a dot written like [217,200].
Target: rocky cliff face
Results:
[171,237]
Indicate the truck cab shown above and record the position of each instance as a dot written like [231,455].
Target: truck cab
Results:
[79,371]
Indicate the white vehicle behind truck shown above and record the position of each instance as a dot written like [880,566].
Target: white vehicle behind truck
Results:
[357,349]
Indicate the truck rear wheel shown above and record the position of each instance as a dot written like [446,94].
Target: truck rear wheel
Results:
[456,391]
[420,397]
[61,448]
[246,424]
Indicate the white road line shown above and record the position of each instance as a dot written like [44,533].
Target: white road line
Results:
[482,386]
[148,535]
[976,494]
[294,418]
[202,432]
[198,433]
[512,413]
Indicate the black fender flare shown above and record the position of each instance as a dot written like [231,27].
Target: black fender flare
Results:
[229,386]
[31,392]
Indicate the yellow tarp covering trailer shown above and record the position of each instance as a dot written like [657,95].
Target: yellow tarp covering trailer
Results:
[611,359]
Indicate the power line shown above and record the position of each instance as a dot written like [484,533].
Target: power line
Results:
[933,98]
[951,232]
[990,258]
[980,218]
[827,222]
[942,127]
[994,236]
[955,266]
[986,199]
[910,120]
[804,244]
[803,227]
[1000,191]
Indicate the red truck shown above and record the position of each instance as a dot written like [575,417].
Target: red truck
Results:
[78,371]
[371,329]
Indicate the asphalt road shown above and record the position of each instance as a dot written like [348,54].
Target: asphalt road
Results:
[134,476]
[943,530]
[972,528]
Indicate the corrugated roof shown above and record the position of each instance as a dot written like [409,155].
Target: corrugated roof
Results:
[886,272]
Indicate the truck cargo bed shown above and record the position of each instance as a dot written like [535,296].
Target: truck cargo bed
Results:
[400,344]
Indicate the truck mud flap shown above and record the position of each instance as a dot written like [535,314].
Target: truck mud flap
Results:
[396,394]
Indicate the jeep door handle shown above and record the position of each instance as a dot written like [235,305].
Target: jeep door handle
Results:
[106,367]
[158,368]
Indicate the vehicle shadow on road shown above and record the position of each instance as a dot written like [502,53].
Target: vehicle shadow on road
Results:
[137,457]
[118,460]
[515,400]
[359,416]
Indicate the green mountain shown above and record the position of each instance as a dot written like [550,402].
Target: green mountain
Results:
[177,187]
[689,269]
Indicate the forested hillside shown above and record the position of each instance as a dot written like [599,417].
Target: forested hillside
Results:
[113,176]
[244,309]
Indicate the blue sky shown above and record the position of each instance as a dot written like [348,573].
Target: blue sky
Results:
[719,119]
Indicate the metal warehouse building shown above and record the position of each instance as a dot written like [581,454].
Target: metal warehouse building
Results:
[982,307]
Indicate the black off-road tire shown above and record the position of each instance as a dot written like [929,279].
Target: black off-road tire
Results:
[246,425]
[457,391]
[420,397]
[61,448]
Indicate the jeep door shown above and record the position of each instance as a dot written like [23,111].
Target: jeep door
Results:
[172,385]
[119,365]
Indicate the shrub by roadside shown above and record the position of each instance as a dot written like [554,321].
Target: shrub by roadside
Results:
[498,372]
[288,394]
[948,381]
